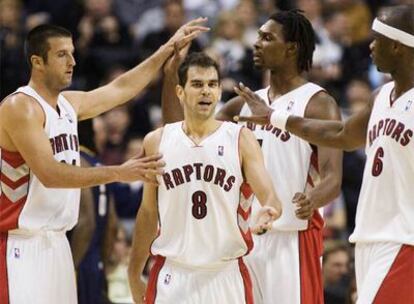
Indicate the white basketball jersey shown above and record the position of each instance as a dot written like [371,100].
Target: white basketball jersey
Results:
[291,161]
[203,220]
[25,203]
[385,209]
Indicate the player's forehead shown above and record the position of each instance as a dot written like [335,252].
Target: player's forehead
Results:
[57,44]
[197,73]
[271,27]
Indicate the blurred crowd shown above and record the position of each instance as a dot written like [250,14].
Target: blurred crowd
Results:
[112,36]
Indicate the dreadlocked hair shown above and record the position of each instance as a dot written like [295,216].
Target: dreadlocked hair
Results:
[298,29]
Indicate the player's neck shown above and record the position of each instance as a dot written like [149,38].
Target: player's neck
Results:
[197,130]
[284,82]
[50,95]
[404,80]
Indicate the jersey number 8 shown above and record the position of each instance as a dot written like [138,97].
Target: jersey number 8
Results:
[199,199]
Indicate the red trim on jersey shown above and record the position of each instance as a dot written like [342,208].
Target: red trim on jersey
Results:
[310,251]
[4,284]
[314,158]
[310,181]
[14,159]
[246,193]
[398,285]
[244,214]
[313,164]
[151,292]
[10,210]
[14,184]
[247,282]
[246,190]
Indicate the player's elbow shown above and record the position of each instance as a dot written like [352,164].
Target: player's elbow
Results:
[48,179]
[51,177]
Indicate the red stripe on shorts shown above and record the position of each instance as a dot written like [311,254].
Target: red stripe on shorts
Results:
[398,285]
[247,282]
[310,251]
[151,292]
[4,285]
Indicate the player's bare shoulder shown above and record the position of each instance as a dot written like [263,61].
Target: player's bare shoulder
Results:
[16,111]
[323,106]
[152,141]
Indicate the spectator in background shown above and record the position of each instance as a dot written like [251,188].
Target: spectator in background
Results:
[208,8]
[13,67]
[174,17]
[64,13]
[117,274]
[116,122]
[102,39]
[234,56]
[93,237]
[128,195]
[358,15]
[247,12]
[358,93]
[333,36]
[334,216]
[140,15]
[313,11]
[336,273]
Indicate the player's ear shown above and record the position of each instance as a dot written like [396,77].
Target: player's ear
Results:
[179,90]
[292,48]
[36,61]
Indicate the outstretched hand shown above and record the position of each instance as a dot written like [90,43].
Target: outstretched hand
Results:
[144,168]
[260,110]
[187,32]
[264,220]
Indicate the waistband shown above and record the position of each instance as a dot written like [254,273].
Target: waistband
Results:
[49,238]
[219,266]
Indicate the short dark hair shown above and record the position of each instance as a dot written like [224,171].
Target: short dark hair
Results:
[297,28]
[37,40]
[199,59]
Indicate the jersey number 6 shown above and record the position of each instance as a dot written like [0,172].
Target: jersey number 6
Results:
[377,164]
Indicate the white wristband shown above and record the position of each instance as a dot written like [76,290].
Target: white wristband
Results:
[279,119]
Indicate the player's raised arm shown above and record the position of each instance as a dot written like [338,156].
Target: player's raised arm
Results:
[230,109]
[30,140]
[132,82]
[322,106]
[170,104]
[257,176]
[348,135]
[145,227]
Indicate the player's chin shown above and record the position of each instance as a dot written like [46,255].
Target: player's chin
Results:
[258,65]
[65,83]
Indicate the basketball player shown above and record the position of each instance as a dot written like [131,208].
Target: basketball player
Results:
[40,177]
[384,232]
[201,201]
[307,177]
[92,239]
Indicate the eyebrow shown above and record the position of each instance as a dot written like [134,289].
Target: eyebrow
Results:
[260,32]
[65,50]
[199,80]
